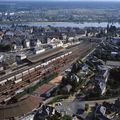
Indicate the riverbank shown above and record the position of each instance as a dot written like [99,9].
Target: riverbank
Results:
[60,24]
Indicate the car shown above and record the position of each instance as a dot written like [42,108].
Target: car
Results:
[58,104]
[80,111]
[80,96]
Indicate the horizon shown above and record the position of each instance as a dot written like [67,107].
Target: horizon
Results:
[59,0]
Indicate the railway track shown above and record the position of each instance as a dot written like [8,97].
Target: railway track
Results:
[58,65]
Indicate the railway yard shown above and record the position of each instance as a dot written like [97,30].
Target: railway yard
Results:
[39,67]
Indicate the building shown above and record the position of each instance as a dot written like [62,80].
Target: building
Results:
[115,40]
[103,72]
[1,68]
[20,58]
[113,63]
[38,44]
[67,88]
[99,113]
[26,44]
[44,112]
[55,42]
[100,86]
[38,50]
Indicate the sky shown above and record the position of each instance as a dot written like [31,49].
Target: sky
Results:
[79,0]
[64,0]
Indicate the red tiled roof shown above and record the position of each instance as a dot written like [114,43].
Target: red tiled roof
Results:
[43,89]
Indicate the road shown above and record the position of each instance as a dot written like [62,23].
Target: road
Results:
[70,106]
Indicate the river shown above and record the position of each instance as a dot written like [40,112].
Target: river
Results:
[65,24]
[70,24]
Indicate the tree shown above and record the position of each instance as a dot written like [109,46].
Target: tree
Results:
[76,67]
[86,107]
[66,117]
[5,48]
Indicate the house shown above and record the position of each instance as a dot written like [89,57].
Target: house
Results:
[45,90]
[38,44]
[84,71]
[48,93]
[67,88]
[113,64]
[115,40]
[75,118]
[44,112]
[100,62]
[33,42]
[74,77]
[114,54]
[26,43]
[89,63]
[1,67]
[117,104]
[1,58]
[55,42]
[85,67]
[68,70]
[99,112]
[113,107]
[9,33]
[100,85]
[64,36]
[103,72]
[14,47]
[71,39]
